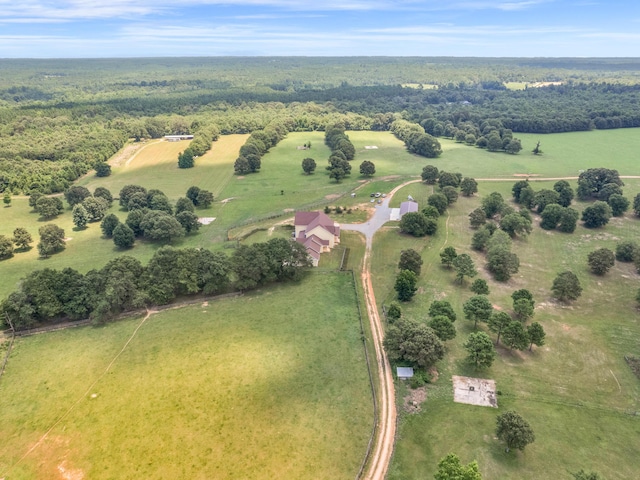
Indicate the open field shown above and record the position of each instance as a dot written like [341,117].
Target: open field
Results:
[568,389]
[258,196]
[564,155]
[577,392]
[252,387]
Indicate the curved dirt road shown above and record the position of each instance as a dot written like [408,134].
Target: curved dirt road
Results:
[378,463]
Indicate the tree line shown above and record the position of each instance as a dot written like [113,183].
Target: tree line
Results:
[342,151]
[124,283]
[259,143]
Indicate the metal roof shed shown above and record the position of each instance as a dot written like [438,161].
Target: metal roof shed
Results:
[404,372]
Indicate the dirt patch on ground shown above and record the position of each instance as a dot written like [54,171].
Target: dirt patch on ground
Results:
[289,210]
[475,391]
[206,220]
[125,154]
[332,196]
[70,473]
[526,174]
[566,327]
[226,200]
[413,401]
[240,177]
[598,236]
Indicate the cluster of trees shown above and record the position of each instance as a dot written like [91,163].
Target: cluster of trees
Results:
[259,143]
[407,340]
[489,133]
[123,284]
[511,328]
[462,264]
[151,215]
[416,139]
[601,184]
[85,206]
[552,205]
[19,242]
[409,266]
[424,223]
[501,261]
[342,152]
[419,224]
[431,175]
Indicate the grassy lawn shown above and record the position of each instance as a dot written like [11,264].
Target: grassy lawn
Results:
[564,154]
[269,390]
[252,387]
[577,391]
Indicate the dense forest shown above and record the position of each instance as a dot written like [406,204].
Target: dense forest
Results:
[61,118]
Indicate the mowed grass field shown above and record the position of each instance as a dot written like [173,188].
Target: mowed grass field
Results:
[269,385]
[568,390]
[577,392]
[250,198]
[564,155]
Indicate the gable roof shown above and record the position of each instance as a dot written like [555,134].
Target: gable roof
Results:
[311,220]
[315,218]
[406,207]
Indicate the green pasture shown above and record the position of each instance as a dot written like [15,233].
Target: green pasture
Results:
[155,165]
[576,391]
[564,155]
[269,385]
[281,186]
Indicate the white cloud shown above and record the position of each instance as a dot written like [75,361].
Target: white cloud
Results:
[12,11]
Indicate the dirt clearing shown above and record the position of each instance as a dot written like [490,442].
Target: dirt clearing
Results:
[474,391]
[413,401]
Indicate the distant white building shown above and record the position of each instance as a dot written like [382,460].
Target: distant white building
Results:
[177,138]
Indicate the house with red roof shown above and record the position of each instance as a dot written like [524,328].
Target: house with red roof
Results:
[317,232]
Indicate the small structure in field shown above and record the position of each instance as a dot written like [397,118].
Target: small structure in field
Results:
[177,138]
[474,391]
[404,373]
[317,232]
[406,207]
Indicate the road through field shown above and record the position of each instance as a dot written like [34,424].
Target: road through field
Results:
[378,463]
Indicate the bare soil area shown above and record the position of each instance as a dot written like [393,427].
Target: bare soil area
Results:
[474,391]
[412,403]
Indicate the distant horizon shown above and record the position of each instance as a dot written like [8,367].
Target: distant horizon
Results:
[637,57]
[67,29]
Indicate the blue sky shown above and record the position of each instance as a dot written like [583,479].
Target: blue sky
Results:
[138,28]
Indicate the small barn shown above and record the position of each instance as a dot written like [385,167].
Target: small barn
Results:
[404,373]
